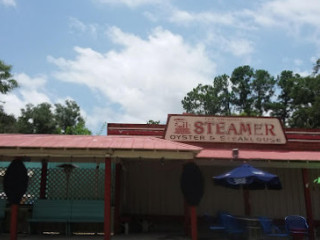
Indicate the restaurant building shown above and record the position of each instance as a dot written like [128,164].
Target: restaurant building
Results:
[152,189]
[148,161]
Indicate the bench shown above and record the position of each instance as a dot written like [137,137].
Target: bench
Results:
[2,212]
[87,211]
[67,212]
[51,211]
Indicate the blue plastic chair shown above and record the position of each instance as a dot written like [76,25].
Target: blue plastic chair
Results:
[233,226]
[215,224]
[270,230]
[297,225]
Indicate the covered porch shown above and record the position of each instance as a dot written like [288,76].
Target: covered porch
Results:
[104,150]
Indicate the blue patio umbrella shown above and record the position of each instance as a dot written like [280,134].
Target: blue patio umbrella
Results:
[249,178]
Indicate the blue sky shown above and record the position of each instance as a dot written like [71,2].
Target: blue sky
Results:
[134,60]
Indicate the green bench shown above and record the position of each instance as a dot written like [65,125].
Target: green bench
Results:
[67,212]
[51,211]
[87,211]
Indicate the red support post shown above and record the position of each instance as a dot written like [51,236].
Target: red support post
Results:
[194,222]
[117,201]
[307,198]
[43,182]
[107,199]
[186,218]
[14,221]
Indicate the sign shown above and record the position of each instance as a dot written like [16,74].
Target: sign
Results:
[15,182]
[191,183]
[259,130]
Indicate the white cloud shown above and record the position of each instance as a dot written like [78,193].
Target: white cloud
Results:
[133,3]
[300,19]
[31,90]
[239,47]
[76,26]
[185,17]
[290,11]
[235,45]
[10,3]
[146,79]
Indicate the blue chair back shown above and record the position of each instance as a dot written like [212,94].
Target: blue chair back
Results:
[266,224]
[270,229]
[296,223]
[232,224]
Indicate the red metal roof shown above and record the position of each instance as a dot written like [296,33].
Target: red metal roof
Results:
[251,154]
[94,142]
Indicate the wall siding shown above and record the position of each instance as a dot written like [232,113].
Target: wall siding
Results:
[152,188]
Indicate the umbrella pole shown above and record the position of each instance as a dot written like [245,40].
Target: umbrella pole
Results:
[247,205]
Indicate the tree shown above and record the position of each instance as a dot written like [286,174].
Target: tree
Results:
[78,129]
[68,115]
[262,91]
[209,100]
[282,107]
[306,102]
[152,122]
[246,92]
[7,83]
[316,68]
[37,119]
[7,122]
[241,80]
[44,119]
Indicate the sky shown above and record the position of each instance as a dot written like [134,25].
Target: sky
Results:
[130,61]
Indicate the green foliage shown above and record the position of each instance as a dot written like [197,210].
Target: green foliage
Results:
[247,92]
[250,92]
[37,119]
[7,83]
[209,100]
[67,115]
[7,122]
[78,129]
[42,119]
[152,122]
[241,79]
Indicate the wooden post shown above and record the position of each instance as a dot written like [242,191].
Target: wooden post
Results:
[117,201]
[107,199]
[194,222]
[307,198]
[43,182]
[14,221]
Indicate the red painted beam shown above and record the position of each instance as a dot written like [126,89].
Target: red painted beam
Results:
[194,222]
[14,221]
[117,196]
[43,181]
[186,218]
[308,203]
[107,199]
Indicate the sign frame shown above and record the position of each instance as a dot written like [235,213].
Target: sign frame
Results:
[224,129]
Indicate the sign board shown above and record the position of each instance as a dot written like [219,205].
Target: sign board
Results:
[193,128]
